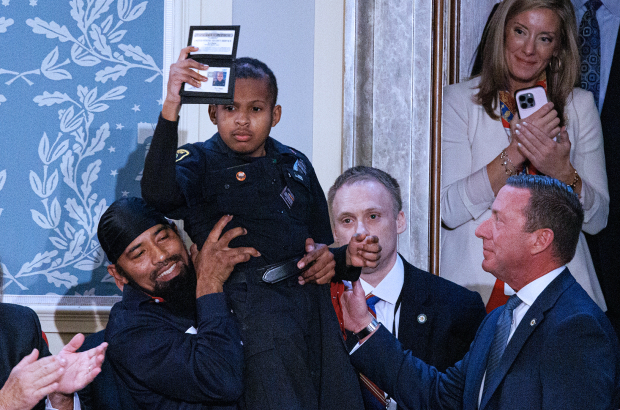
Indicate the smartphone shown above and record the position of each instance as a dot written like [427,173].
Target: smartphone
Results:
[529,100]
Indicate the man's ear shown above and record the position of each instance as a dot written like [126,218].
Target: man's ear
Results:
[119,279]
[543,238]
[401,222]
[212,111]
[276,114]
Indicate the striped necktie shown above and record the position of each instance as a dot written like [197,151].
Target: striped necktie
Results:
[374,397]
[590,49]
[500,339]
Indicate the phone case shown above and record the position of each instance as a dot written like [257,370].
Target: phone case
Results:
[529,100]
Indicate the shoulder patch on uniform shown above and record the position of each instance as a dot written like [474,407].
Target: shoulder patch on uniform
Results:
[181,153]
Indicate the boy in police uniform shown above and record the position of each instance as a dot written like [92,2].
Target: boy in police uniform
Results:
[294,353]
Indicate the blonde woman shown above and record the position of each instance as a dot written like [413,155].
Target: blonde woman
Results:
[530,42]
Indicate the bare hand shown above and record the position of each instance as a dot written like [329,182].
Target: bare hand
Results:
[363,251]
[82,367]
[183,71]
[321,261]
[354,309]
[216,261]
[548,156]
[546,120]
[30,381]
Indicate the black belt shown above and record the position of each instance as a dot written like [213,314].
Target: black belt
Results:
[273,273]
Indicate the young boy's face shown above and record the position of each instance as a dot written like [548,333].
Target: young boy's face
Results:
[245,125]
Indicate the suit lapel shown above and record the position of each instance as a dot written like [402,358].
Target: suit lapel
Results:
[532,319]
[411,333]
[477,361]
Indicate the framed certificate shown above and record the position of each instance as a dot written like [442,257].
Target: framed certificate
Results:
[217,48]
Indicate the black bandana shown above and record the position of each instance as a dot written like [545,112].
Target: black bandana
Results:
[124,221]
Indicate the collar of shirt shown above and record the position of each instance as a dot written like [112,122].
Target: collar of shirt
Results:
[612,5]
[389,288]
[528,295]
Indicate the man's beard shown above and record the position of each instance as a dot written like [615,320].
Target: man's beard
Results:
[179,291]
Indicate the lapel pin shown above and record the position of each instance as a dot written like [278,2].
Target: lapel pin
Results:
[422,318]
[533,322]
[240,176]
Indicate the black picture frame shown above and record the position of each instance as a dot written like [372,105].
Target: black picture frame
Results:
[219,53]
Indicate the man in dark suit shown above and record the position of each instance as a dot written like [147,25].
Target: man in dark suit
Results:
[25,381]
[604,245]
[434,317]
[549,347]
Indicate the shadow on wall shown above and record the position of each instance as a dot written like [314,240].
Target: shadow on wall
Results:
[91,310]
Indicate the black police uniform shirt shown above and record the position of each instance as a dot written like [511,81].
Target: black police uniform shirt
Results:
[277,198]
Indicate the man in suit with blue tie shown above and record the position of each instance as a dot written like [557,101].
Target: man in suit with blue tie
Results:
[549,347]
[435,318]
[599,23]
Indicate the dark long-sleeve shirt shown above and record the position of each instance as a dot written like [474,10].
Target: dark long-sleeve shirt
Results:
[166,367]
[277,198]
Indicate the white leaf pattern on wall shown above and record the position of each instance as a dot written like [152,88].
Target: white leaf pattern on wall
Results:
[36,184]
[51,29]
[61,279]
[69,175]
[90,176]
[48,99]
[100,7]
[81,56]
[4,24]
[118,36]
[111,73]
[85,53]
[77,12]
[126,13]
[54,72]
[100,41]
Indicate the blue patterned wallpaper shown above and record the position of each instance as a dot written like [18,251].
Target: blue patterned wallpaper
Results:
[80,91]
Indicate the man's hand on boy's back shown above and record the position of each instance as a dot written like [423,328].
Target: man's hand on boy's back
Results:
[363,251]
[181,72]
[320,263]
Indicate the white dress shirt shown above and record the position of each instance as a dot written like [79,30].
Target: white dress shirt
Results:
[608,17]
[388,290]
[528,295]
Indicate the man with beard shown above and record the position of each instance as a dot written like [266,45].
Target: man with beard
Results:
[172,339]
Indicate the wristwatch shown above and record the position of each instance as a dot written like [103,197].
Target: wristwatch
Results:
[368,329]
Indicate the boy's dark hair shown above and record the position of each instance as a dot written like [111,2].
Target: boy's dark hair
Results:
[555,206]
[247,67]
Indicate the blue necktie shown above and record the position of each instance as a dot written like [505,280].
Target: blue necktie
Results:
[374,397]
[590,50]
[500,340]
[371,301]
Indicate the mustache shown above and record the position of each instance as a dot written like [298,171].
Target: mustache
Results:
[170,261]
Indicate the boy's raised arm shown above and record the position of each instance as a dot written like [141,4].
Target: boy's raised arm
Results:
[159,185]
